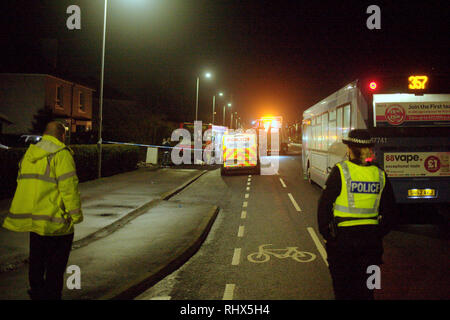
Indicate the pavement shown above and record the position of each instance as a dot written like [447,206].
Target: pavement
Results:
[131,236]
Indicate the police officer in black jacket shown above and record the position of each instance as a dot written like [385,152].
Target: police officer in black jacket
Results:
[356,210]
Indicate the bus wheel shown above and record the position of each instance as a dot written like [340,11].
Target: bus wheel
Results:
[308,174]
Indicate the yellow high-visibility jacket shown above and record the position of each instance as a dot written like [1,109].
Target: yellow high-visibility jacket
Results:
[47,200]
[360,196]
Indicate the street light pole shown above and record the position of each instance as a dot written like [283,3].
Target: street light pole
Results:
[207,75]
[214,107]
[223,119]
[229,106]
[196,99]
[99,143]
[231,120]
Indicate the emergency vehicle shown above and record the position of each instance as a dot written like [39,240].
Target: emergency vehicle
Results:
[240,153]
[273,135]
[210,136]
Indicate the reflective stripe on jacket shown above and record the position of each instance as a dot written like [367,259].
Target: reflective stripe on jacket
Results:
[47,200]
[359,200]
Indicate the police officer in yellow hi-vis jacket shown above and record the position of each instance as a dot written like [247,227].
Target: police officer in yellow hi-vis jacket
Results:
[47,204]
[356,209]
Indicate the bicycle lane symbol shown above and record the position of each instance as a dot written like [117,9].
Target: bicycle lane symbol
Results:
[263,254]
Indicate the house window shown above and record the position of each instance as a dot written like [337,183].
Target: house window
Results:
[59,96]
[82,102]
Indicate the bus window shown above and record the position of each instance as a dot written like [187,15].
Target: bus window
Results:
[346,128]
[313,133]
[333,115]
[309,137]
[318,133]
[325,131]
[316,137]
[332,131]
[353,114]
[339,124]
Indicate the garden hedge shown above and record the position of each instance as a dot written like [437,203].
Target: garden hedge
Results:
[115,159]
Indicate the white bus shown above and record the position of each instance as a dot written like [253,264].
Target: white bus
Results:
[408,118]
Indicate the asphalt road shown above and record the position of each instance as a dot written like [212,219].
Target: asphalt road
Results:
[265,245]
[267,212]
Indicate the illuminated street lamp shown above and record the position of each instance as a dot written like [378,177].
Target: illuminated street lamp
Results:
[231,120]
[223,120]
[207,75]
[214,105]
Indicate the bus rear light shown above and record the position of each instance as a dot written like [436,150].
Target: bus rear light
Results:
[373,85]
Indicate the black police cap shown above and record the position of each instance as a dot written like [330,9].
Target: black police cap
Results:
[359,138]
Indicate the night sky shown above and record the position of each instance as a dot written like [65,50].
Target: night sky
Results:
[276,57]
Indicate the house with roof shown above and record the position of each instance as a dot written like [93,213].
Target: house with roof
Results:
[27,99]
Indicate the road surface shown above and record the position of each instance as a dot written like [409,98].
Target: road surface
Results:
[265,245]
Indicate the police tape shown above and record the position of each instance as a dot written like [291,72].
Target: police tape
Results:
[151,146]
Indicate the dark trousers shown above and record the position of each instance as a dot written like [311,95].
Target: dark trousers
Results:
[166,158]
[47,264]
[349,273]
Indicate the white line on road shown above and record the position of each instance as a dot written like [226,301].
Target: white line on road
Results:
[248,183]
[229,291]
[161,298]
[282,183]
[248,189]
[243,214]
[241,231]
[294,203]
[319,245]
[247,195]
[245,204]
[236,257]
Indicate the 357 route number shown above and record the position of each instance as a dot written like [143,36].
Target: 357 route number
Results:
[417,82]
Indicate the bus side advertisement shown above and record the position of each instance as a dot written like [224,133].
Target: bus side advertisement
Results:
[417,164]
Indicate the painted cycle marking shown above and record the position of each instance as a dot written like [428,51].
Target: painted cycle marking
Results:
[263,254]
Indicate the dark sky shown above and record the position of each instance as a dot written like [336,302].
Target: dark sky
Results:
[277,57]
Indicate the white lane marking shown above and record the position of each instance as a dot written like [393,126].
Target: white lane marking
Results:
[161,298]
[243,214]
[236,257]
[245,204]
[249,175]
[318,244]
[247,195]
[247,189]
[229,291]
[294,203]
[241,231]
[248,183]
[282,183]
